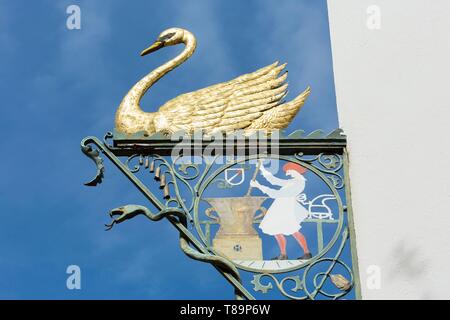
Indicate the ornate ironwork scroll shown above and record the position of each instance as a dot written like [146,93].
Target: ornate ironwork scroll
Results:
[225,230]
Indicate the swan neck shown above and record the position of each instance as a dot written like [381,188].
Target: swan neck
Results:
[130,117]
[140,88]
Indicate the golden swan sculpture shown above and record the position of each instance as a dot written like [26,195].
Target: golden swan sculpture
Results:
[250,102]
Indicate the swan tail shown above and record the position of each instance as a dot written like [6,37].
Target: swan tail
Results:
[280,116]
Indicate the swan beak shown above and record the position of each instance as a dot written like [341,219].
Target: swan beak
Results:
[155,46]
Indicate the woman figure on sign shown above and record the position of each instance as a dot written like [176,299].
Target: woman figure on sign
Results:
[286,213]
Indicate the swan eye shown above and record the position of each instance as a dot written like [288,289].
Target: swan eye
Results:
[166,36]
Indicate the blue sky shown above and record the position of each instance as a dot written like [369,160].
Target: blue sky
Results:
[58,86]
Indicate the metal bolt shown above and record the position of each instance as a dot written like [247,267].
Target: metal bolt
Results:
[166,192]
[152,166]
[162,182]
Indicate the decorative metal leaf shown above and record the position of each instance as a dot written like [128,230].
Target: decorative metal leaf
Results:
[258,286]
[340,282]
[94,155]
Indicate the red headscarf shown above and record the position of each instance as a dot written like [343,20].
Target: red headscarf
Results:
[294,166]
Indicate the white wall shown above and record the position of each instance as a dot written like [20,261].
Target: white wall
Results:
[393,96]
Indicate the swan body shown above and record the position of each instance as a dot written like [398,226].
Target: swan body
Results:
[250,102]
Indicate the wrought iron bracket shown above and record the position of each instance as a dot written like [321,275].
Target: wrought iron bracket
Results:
[307,148]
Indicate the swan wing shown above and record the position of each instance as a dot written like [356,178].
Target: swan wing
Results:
[231,105]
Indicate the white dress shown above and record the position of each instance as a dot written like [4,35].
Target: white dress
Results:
[286,213]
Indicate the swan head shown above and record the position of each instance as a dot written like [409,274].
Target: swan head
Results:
[169,37]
